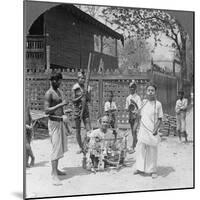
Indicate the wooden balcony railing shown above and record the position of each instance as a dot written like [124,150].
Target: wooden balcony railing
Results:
[35,53]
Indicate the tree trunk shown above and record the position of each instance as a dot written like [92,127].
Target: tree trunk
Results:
[183,72]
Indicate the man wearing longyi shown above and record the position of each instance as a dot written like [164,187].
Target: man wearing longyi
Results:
[54,104]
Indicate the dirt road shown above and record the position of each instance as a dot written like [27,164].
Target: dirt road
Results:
[175,170]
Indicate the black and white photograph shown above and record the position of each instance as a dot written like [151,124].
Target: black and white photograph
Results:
[108,99]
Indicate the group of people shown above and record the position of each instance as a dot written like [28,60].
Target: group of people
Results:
[145,117]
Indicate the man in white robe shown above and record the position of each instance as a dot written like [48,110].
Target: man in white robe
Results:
[148,138]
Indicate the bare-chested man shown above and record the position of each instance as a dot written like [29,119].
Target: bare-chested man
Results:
[78,92]
[54,108]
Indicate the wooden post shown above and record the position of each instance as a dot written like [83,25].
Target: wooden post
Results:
[116,53]
[101,63]
[80,40]
[48,57]
[100,97]
[101,44]
[174,71]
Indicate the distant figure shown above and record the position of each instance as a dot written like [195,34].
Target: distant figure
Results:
[148,138]
[28,137]
[78,93]
[54,104]
[110,109]
[133,104]
[181,109]
[192,98]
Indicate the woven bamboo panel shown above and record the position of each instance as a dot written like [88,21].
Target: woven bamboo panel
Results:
[93,105]
[35,92]
[37,84]
[120,90]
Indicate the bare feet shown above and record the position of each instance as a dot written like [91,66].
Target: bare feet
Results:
[154,175]
[186,140]
[55,180]
[137,172]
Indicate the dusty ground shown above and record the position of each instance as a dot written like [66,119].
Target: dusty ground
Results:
[175,170]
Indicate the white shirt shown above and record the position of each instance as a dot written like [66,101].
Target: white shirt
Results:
[110,106]
[135,98]
[150,114]
[181,104]
[98,133]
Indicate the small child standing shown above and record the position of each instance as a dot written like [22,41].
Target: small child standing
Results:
[110,109]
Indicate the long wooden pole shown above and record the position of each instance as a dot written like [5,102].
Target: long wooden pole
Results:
[86,82]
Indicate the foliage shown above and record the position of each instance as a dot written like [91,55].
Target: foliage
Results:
[91,10]
[143,23]
[189,59]
[133,54]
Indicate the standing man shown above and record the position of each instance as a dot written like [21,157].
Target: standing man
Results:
[148,138]
[110,108]
[78,95]
[133,103]
[54,104]
[180,109]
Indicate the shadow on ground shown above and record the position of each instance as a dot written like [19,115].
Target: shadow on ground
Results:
[41,164]
[189,141]
[18,194]
[163,139]
[74,171]
[130,162]
[161,171]
[164,171]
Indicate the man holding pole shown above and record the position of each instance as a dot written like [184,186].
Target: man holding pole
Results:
[80,114]
[81,95]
